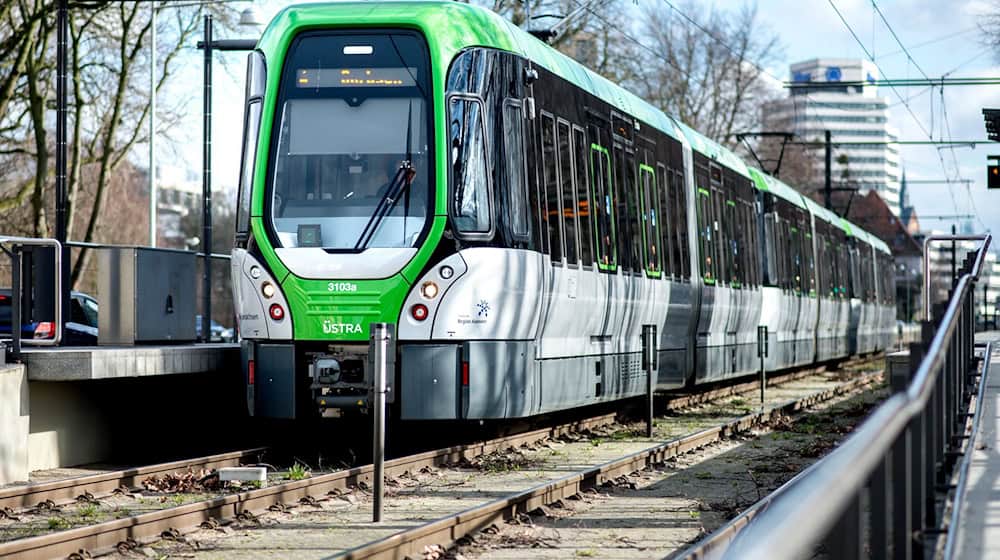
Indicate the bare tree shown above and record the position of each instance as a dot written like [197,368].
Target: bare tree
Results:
[989,28]
[710,70]
[108,103]
[588,31]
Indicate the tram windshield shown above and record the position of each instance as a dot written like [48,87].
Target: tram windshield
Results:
[352,165]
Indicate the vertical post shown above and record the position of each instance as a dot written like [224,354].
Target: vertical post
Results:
[152,126]
[379,350]
[879,496]
[954,274]
[16,302]
[828,179]
[649,364]
[62,54]
[909,299]
[762,353]
[206,187]
[902,496]
[845,540]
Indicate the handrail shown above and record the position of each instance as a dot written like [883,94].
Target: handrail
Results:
[807,510]
[16,303]
[91,245]
[790,521]
[927,268]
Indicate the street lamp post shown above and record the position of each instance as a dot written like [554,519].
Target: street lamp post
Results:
[208,45]
[152,127]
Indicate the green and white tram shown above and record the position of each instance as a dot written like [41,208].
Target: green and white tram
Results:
[518,217]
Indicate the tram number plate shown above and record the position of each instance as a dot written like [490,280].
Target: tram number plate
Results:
[341,287]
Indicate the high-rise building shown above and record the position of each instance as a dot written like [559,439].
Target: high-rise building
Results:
[856,117]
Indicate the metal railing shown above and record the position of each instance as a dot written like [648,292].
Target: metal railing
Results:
[927,265]
[12,246]
[878,491]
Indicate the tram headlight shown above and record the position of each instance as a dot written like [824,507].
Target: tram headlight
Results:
[267,289]
[429,290]
[446,272]
[255,272]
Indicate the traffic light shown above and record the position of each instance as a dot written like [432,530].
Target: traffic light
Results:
[993,176]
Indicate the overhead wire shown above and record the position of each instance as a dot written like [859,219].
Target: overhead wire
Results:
[906,104]
[945,125]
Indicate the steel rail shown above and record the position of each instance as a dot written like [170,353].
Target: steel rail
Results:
[447,530]
[788,522]
[676,402]
[123,533]
[69,489]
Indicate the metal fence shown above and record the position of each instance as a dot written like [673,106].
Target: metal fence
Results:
[12,275]
[879,493]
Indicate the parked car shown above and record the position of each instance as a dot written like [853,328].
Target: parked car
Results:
[6,315]
[218,333]
[80,326]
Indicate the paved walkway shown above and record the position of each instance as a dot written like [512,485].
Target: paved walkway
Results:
[979,520]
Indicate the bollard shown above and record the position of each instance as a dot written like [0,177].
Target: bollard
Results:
[649,364]
[762,353]
[378,349]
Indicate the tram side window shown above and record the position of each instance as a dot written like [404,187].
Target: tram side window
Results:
[620,208]
[678,203]
[517,203]
[551,214]
[666,221]
[634,241]
[582,197]
[256,73]
[250,130]
[754,249]
[770,250]
[568,192]
[600,174]
[809,258]
[705,235]
[721,245]
[470,168]
[650,219]
[786,257]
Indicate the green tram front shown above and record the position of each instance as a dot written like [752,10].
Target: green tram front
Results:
[332,219]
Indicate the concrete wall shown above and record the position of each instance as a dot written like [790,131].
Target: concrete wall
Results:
[139,418]
[13,424]
[68,425]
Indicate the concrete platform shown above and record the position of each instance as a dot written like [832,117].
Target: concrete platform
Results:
[77,405]
[979,515]
[83,363]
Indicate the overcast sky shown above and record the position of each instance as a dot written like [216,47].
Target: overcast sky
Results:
[941,35]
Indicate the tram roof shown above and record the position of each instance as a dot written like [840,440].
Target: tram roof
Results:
[446,36]
[765,182]
[822,213]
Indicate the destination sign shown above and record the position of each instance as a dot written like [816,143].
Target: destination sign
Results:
[355,77]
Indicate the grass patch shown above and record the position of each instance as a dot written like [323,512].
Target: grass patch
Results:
[298,472]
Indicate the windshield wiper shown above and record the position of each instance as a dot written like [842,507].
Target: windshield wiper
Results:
[401,182]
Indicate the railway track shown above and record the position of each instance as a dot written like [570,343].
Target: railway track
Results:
[127,533]
[66,490]
[447,530]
